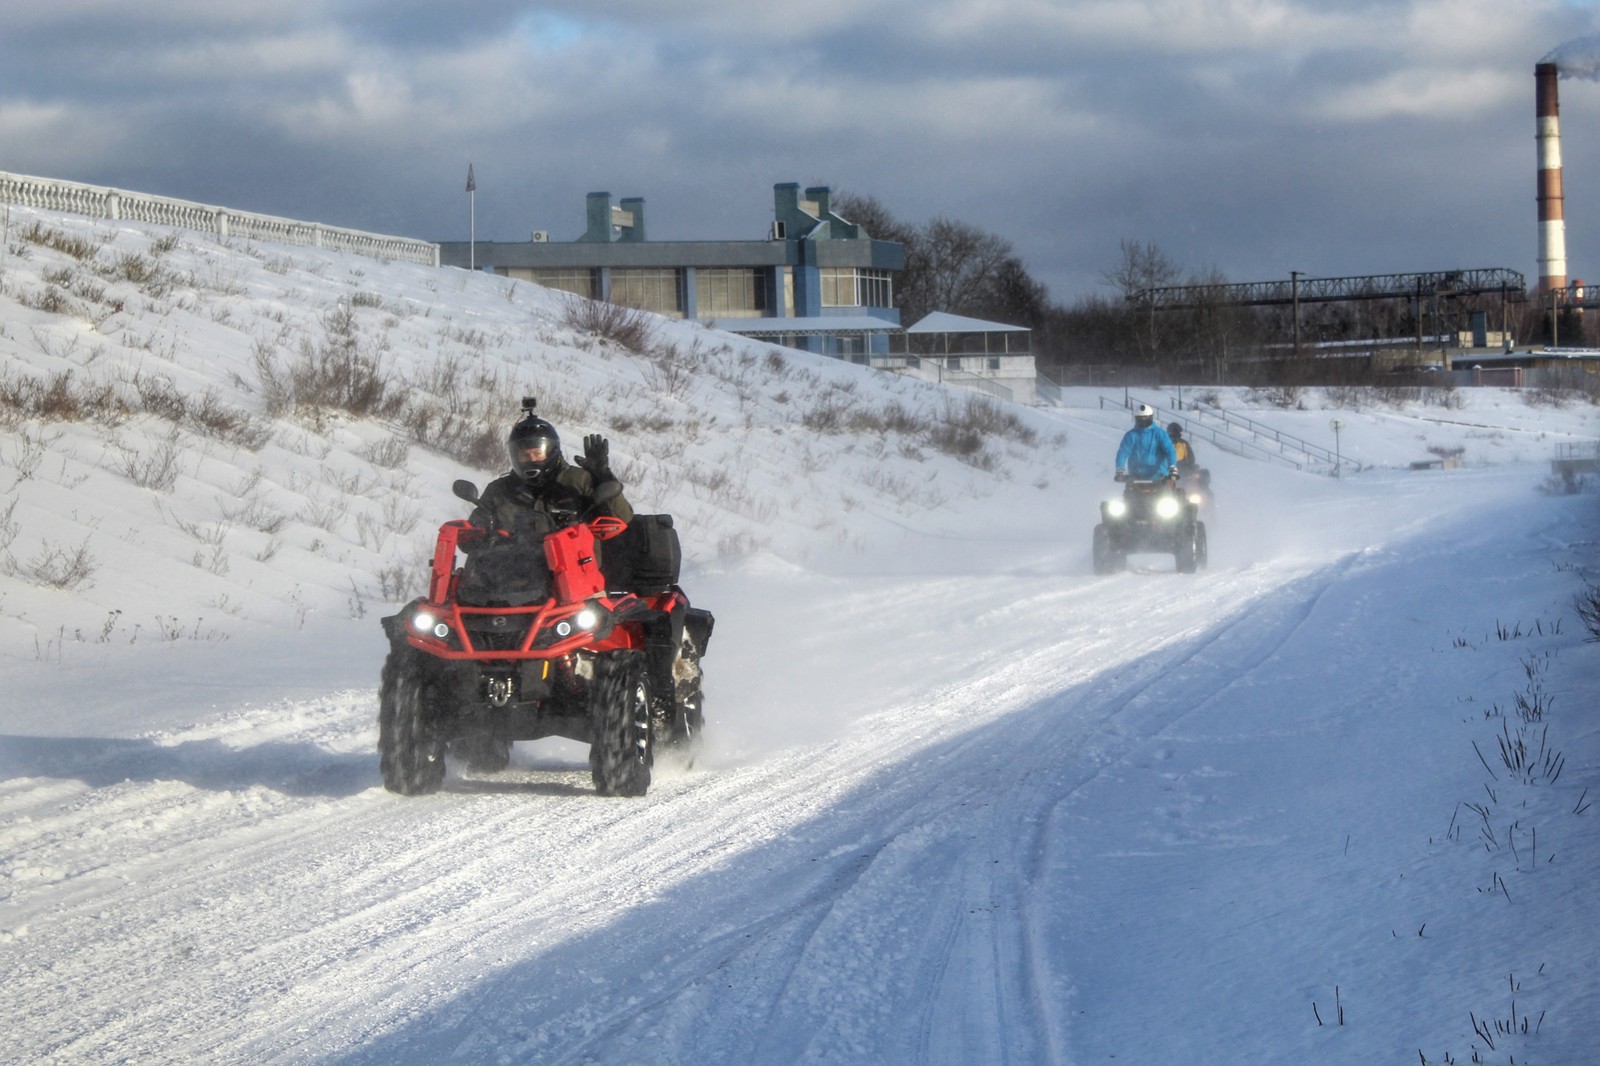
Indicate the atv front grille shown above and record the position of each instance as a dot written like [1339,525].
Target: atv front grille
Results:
[497,632]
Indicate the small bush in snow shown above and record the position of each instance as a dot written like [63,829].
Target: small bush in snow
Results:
[627,327]
[1587,604]
[56,567]
[57,398]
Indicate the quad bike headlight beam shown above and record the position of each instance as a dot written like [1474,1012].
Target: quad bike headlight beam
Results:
[1168,507]
[586,620]
[1116,508]
[426,622]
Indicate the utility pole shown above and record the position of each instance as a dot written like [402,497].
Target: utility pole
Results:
[1294,290]
[472,220]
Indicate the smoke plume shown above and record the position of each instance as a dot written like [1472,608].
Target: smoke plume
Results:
[1577,59]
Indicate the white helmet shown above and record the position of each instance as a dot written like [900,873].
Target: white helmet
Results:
[1144,415]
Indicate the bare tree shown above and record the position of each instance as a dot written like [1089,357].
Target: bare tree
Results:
[951,266]
[1142,266]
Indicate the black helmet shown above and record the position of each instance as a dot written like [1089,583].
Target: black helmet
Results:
[534,447]
[1174,430]
[1144,415]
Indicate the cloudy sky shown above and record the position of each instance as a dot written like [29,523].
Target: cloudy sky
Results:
[1257,137]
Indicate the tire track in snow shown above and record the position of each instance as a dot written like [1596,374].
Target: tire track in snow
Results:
[401,906]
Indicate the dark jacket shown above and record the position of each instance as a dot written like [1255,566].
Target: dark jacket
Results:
[508,504]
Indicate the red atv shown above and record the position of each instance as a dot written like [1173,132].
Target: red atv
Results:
[533,637]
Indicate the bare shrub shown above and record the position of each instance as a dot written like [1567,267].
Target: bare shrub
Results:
[627,327]
[277,389]
[342,375]
[77,247]
[1285,396]
[159,397]
[398,515]
[827,415]
[150,277]
[670,369]
[157,471]
[29,456]
[9,527]
[324,513]
[212,418]
[52,301]
[463,438]
[57,567]
[390,453]
[1586,603]
[60,398]
[978,417]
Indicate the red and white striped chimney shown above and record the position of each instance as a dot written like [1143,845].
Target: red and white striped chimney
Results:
[1552,215]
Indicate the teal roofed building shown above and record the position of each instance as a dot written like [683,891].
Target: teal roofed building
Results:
[814,280]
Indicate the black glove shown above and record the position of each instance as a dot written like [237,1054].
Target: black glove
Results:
[596,458]
[1122,475]
[1173,473]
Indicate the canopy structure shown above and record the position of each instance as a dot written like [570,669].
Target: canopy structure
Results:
[809,326]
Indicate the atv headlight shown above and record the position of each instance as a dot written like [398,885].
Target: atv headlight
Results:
[1168,507]
[1195,498]
[427,623]
[1116,508]
[586,619]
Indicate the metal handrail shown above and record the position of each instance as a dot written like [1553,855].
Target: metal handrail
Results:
[1287,443]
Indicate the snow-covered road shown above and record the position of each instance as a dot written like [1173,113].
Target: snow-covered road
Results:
[985,774]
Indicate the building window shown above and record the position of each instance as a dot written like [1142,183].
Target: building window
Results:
[729,293]
[658,290]
[849,287]
[580,281]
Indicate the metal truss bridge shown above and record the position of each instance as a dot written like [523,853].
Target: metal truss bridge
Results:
[1298,289]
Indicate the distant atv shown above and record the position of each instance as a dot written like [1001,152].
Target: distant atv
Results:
[1151,516]
[1195,486]
[532,637]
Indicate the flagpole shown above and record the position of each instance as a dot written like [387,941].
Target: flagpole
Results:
[472,220]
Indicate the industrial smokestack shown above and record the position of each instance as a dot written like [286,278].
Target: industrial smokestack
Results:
[1552,212]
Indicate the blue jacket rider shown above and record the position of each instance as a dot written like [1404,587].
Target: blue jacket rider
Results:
[1146,452]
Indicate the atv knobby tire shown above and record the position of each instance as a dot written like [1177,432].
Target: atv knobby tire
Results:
[1184,556]
[679,714]
[1191,553]
[1107,560]
[410,753]
[620,755]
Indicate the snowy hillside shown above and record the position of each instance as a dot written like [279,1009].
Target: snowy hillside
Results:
[1329,800]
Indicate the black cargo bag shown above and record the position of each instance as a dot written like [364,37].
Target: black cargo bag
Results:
[505,572]
[645,557]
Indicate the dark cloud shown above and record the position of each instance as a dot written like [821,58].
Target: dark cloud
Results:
[1254,137]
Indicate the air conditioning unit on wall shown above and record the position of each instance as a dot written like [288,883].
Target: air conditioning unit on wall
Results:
[540,236]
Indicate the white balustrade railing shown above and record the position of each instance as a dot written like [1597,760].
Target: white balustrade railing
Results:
[50,194]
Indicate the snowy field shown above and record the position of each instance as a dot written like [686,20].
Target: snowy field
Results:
[1330,800]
